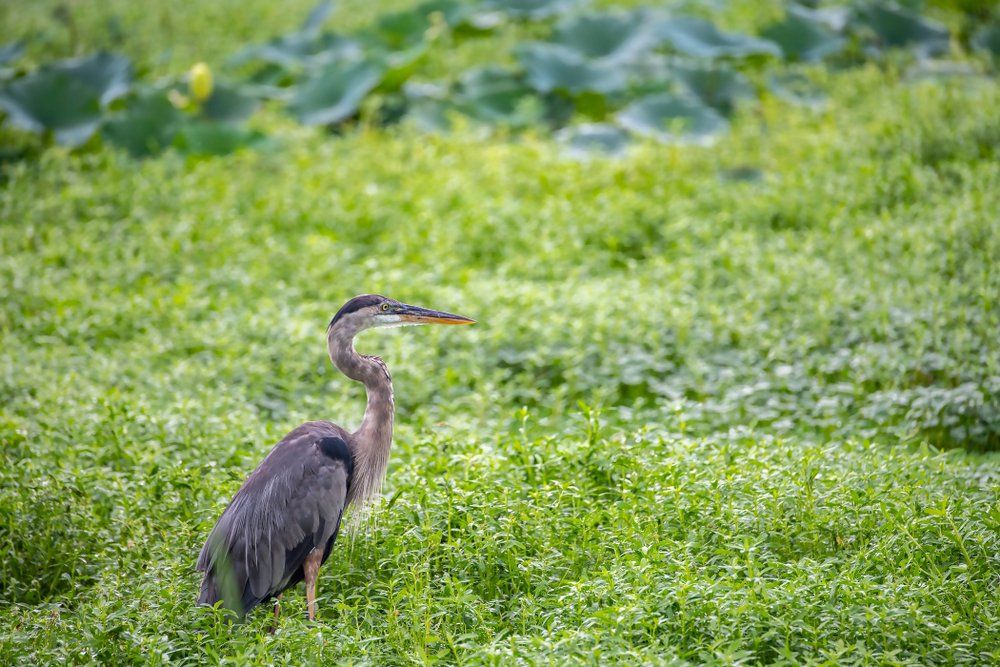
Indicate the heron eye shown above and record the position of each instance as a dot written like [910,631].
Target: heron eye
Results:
[385,306]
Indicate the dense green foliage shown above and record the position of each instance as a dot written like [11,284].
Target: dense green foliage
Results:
[734,404]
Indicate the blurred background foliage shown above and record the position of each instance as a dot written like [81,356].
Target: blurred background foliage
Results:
[669,73]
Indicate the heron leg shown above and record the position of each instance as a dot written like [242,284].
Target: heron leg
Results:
[311,570]
[277,608]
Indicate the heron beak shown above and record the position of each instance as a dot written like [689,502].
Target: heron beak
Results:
[418,315]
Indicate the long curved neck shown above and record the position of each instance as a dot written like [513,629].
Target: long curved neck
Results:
[370,444]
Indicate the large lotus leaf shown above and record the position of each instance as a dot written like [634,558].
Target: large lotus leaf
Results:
[555,67]
[229,104]
[335,92]
[719,87]
[898,27]
[835,18]
[495,95]
[52,99]
[987,39]
[301,49]
[399,66]
[586,140]
[209,138]
[531,9]
[10,52]
[672,119]
[801,37]
[401,30]
[797,89]
[455,13]
[615,37]
[701,39]
[107,74]
[146,127]
[317,16]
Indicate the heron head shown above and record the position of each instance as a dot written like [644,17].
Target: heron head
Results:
[374,310]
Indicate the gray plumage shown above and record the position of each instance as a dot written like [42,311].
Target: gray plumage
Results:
[282,523]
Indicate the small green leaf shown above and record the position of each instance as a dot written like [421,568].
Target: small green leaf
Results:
[335,93]
[555,67]
[672,119]
[701,39]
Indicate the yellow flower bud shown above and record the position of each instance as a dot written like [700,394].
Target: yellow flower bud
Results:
[200,83]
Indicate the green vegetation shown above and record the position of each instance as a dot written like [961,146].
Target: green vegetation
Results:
[733,403]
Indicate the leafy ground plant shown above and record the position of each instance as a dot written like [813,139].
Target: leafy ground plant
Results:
[725,404]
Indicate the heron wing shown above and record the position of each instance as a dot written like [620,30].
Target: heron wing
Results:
[291,504]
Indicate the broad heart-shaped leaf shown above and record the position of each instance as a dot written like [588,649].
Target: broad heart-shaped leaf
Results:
[10,52]
[495,95]
[719,87]
[895,26]
[555,67]
[146,127]
[52,99]
[672,119]
[208,138]
[701,39]
[107,74]
[803,38]
[531,9]
[586,140]
[229,104]
[797,89]
[335,92]
[613,37]
[987,39]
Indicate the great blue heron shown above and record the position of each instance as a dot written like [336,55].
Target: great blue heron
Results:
[281,525]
